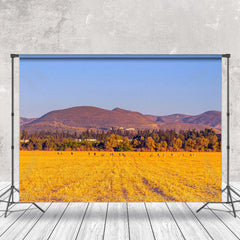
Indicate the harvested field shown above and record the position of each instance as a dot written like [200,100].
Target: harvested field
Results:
[76,176]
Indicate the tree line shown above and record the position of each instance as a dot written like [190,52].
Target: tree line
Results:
[120,140]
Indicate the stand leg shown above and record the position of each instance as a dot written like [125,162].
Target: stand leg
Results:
[32,203]
[230,196]
[12,194]
[10,199]
[229,201]
[203,207]
[8,204]
[38,207]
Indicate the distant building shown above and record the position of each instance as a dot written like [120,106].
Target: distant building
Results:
[78,140]
[87,140]
[130,129]
[91,140]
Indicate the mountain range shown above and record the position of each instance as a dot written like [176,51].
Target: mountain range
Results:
[77,119]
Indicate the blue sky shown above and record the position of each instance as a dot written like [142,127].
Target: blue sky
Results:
[150,86]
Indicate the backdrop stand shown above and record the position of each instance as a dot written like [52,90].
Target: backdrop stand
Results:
[12,189]
[228,188]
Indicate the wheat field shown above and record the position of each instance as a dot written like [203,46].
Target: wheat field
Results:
[50,176]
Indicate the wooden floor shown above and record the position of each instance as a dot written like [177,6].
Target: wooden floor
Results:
[119,221]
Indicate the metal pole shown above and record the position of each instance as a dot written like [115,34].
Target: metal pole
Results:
[228,132]
[12,147]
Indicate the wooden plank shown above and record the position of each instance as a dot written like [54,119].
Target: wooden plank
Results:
[216,228]
[4,186]
[22,226]
[47,222]
[236,186]
[187,222]
[164,226]
[16,211]
[140,227]
[94,221]
[68,226]
[117,222]
[222,211]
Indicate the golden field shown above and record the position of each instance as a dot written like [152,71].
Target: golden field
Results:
[75,176]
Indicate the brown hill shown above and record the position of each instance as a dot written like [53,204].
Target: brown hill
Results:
[26,120]
[209,118]
[86,117]
[154,118]
[173,118]
[92,117]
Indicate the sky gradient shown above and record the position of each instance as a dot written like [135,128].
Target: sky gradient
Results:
[149,86]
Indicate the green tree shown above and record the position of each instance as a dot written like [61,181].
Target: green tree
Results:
[112,142]
[201,143]
[30,146]
[47,145]
[136,143]
[213,143]
[126,141]
[162,146]
[190,144]
[150,143]
[38,145]
[177,144]
[155,137]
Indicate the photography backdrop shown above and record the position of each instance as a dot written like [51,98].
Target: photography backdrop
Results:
[120,128]
[118,27]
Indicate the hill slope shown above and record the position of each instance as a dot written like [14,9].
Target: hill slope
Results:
[87,117]
[92,117]
[210,118]
[24,121]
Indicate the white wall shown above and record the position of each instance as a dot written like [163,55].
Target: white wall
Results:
[120,26]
